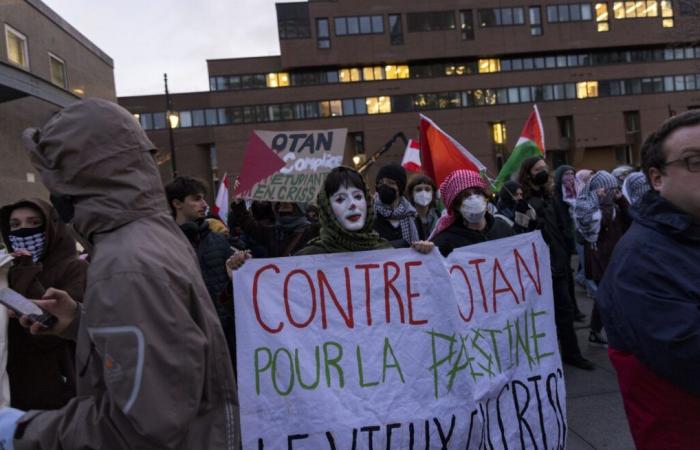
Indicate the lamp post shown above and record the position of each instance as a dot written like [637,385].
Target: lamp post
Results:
[170,117]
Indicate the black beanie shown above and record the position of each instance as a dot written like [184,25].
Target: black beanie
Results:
[393,172]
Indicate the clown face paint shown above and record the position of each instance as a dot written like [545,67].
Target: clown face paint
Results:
[349,207]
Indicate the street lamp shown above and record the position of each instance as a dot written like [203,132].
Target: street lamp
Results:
[172,119]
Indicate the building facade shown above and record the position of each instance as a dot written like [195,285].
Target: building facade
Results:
[45,64]
[604,74]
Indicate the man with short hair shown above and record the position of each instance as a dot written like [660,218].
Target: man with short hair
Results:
[650,295]
[188,206]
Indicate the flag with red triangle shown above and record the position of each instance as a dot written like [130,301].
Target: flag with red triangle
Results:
[441,154]
[221,203]
[411,157]
[259,163]
[530,143]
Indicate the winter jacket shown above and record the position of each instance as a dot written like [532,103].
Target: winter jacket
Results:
[458,235]
[556,232]
[389,232]
[614,223]
[153,368]
[649,299]
[42,368]
[276,240]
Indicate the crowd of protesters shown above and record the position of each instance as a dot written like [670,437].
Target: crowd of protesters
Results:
[630,239]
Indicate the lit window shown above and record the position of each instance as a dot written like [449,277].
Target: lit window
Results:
[367,74]
[283,79]
[378,105]
[58,71]
[498,132]
[602,17]
[336,108]
[350,75]
[16,47]
[586,89]
[396,72]
[489,65]
[272,80]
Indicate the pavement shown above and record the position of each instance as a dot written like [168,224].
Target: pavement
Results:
[595,411]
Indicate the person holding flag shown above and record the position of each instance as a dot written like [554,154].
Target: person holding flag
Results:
[530,143]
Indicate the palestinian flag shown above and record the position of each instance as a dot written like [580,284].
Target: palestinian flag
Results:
[531,143]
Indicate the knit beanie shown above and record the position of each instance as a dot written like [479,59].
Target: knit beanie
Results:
[602,179]
[393,172]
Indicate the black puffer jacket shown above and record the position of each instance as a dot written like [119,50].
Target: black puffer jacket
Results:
[458,235]
[555,230]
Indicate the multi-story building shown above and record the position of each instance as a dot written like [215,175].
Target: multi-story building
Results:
[45,64]
[603,74]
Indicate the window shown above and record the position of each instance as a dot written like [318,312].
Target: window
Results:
[345,26]
[159,121]
[293,20]
[535,21]
[632,122]
[323,37]
[357,142]
[277,79]
[58,71]
[431,21]
[489,65]
[667,13]
[466,24]
[350,75]
[602,17]
[395,29]
[16,47]
[574,12]
[498,133]
[501,17]
[373,73]
[566,127]
[378,105]
[645,8]
[394,72]
[586,89]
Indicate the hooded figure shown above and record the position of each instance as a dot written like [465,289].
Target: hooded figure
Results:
[41,368]
[153,368]
[349,226]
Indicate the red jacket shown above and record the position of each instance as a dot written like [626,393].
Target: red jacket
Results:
[661,415]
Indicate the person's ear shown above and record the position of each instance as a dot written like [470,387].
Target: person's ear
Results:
[177,204]
[656,178]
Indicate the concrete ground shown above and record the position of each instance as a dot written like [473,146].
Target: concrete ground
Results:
[596,415]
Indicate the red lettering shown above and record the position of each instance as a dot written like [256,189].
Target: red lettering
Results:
[368,292]
[497,269]
[520,260]
[475,263]
[286,298]
[256,307]
[471,293]
[389,284]
[410,295]
[323,284]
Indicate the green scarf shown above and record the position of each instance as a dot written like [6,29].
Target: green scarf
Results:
[333,238]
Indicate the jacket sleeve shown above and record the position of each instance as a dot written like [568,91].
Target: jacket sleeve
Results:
[144,356]
[244,219]
[657,318]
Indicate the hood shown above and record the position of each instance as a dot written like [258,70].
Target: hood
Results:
[654,211]
[96,152]
[59,242]
[558,174]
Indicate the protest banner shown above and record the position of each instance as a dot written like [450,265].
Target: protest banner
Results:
[392,349]
[289,166]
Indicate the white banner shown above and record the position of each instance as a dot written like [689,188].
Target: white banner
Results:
[391,349]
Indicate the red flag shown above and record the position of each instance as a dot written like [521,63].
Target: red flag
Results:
[259,163]
[411,157]
[441,154]
[221,203]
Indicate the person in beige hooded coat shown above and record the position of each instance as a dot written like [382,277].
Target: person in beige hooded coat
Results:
[153,368]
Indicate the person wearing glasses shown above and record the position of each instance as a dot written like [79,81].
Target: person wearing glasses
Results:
[649,297]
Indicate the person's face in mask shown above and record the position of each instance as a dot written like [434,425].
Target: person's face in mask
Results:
[422,194]
[473,206]
[539,173]
[27,232]
[349,207]
[388,191]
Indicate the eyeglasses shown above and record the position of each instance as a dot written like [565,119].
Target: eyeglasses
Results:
[692,163]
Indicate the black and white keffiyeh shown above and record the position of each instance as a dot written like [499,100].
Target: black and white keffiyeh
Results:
[405,213]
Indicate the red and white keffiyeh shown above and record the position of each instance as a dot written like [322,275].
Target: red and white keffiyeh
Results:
[455,183]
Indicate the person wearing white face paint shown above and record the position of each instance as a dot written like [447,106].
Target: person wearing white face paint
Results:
[467,221]
[421,192]
[346,216]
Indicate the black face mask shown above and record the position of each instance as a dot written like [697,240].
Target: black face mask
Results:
[387,194]
[64,207]
[541,178]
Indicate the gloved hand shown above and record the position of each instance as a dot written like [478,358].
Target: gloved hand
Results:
[8,424]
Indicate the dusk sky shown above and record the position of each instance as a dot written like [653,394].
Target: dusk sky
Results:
[146,39]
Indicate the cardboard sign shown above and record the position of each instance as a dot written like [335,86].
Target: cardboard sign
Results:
[391,349]
[290,166]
